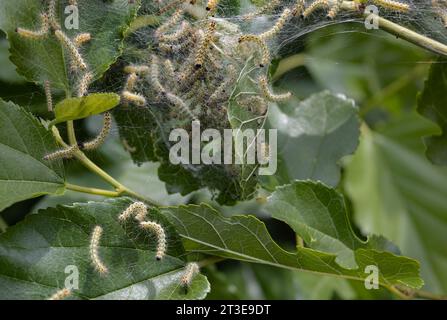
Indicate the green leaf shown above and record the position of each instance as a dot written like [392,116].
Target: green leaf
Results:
[318,214]
[400,194]
[35,253]
[45,59]
[23,143]
[312,137]
[246,238]
[80,108]
[432,105]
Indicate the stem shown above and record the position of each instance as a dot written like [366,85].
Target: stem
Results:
[95,191]
[410,35]
[3,225]
[71,133]
[289,63]
[398,293]
[86,162]
[428,295]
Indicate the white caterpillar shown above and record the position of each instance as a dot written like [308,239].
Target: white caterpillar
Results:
[61,294]
[279,25]
[94,248]
[159,232]
[263,83]
[191,270]
[72,49]
[99,140]
[137,209]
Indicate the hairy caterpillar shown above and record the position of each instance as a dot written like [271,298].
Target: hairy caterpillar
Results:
[81,38]
[178,102]
[94,254]
[61,294]
[155,75]
[172,21]
[137,209]
[159,232]
[219,93]
[42,32]
[136,69]
[99,140]
[265,59]
[263,83]
[270,5]
[177,35]
[255,104]
[191,269]
[317,4]
[62,154]
[47,87]
[52,15]
[212,6]
[392,5]
[135,98]
[130,82]
[74,53]
[441,9]
[279,25]
[204,45]
[299,7]
[335,9]
[84,83]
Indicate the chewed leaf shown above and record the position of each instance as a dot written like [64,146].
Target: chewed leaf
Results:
[80,108]
[57,240]
[245,238]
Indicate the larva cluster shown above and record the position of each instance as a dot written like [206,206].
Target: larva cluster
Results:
[61,294]
[94,251]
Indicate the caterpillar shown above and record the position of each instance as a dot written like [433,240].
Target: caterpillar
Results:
[94,254]
[172,21]
[84,83]
[261,43]
[155,75]
[219,93]
[177,102]
[130,82]
[299,7]
[334,9]
[441,9]
[256,104]
[66,153]
[47,87]
[52,16]
[212,6]
[169,67]
[279,25]
[135,98]
[42,32]
[99,140]
[204,45]
[61,294]
[177,35]
[392,5]
[317,4]
[266,8]
[263,83]
[159,232]
[81,38]
[136,69]
[263,152]
[68,44]
[191,269]
[138,209]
